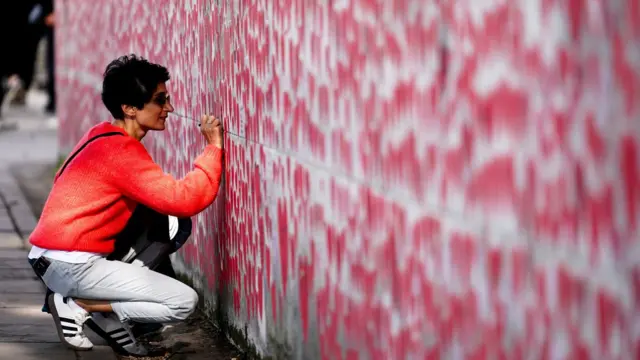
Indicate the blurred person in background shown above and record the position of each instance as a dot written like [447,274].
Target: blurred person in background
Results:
[14,28]
[28,21]
[34,28]
[50,23]
[42,23]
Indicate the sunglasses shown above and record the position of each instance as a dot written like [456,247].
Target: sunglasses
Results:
[162,99]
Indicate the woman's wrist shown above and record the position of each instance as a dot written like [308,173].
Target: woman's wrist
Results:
[218,145]
[212,150]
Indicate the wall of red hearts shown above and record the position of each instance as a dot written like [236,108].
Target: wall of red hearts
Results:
[404,179]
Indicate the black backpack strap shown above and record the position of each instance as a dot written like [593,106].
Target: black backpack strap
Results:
[112,133]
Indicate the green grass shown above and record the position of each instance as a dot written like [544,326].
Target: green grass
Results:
[59,162]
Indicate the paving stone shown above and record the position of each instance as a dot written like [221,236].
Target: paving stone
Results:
[18,205]
[21,300]
[28,314]
[31,351]
[18,262]
[25,221]
[13,274]
[29,333]
[97,353]
[14,269]
[22,319]
[10,241]
[12,254]
[5,223]
[21,286]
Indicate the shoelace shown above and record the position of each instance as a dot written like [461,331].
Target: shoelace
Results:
[80,319]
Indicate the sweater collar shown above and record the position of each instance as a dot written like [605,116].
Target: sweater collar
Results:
[106,127]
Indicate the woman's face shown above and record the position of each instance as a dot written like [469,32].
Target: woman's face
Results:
[154,114]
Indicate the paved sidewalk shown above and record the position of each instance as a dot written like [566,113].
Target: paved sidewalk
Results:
[25,332]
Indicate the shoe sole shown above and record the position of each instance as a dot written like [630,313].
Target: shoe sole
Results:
[56,320]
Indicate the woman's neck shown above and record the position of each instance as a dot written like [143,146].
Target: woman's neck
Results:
[131,127]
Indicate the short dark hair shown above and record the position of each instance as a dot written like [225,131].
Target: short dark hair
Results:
[130,80]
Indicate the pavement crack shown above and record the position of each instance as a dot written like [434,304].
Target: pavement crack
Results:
[8,206]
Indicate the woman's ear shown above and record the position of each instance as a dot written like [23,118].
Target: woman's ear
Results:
[129,111]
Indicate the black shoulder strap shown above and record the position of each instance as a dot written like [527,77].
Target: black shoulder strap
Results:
[83,146]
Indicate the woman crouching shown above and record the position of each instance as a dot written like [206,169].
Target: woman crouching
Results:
[95,193]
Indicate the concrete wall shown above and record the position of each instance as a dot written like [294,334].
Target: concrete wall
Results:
[404,179]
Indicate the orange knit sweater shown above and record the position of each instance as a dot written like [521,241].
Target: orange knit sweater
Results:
[92,200]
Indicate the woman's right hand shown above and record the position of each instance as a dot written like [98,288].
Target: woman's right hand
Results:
[212,130]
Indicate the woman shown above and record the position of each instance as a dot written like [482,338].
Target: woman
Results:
[95,193]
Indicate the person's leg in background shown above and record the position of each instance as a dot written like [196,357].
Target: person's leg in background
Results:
[2,86]
[10,23]
[30,30]
[51,81]
[8,84]
[49,23]
[26,71]
[35,33]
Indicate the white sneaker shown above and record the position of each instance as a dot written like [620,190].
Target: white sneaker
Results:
[13,85]
[116,333]
[69,319]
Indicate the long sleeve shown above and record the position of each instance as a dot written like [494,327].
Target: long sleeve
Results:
[138,177]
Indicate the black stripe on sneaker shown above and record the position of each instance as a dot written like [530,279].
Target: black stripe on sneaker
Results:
[116,331]
[103,334]
[126,343]
[118,338]
[69,328]
[67,320]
